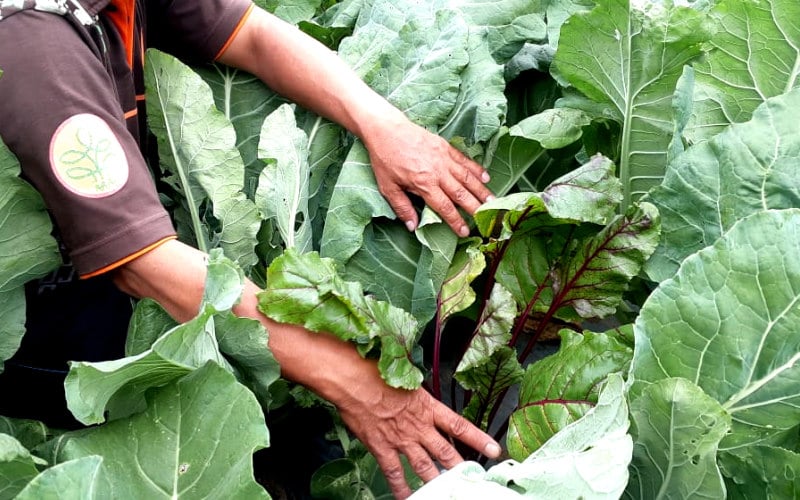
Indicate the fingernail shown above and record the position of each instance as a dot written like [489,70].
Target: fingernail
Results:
[410,225]
[463,231]
[492,450]
[490,197]
[485,177]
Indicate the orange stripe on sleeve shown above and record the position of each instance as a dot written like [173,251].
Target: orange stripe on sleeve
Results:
[235,32]
[127,259]
[123,20]
[131,113]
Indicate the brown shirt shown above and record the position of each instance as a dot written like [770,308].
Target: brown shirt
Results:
[72,111]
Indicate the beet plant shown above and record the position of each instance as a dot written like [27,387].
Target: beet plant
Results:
[644,157]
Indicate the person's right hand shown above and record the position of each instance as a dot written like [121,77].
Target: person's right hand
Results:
[393,422]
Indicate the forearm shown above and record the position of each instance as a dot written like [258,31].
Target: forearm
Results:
[307,72]
[174,276]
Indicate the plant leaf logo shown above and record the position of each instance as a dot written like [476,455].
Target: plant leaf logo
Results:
[87,157]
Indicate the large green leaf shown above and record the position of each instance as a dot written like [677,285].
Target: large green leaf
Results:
[574,376]
[195,440]
[355,201]
[755,55]
[27,250]
[197,145]
[749,167]
[17,466]
[636,55]
[239,344]
[115,389]
[758,472]
[728,321]
[77,478]
[677,429]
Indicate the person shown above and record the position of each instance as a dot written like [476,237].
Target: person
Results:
[72,92]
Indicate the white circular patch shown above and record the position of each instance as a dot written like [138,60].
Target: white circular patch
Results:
[87,157]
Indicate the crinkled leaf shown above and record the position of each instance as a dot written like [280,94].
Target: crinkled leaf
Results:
[197,145]
[749,167]
[78,478]
[727,323]
[590,193]
[17,466]
[195,440]
[27,250]
[246,102]
[594,280]
[412,55]
[563,387]
[481,103]
[490,380]
[283,188]
[420,73]
[636,55]
[507,24]
[588,459]
[307,290]
[677,430]
[576,273]
[493,330]
[456,293]
[761,472]
[755,55]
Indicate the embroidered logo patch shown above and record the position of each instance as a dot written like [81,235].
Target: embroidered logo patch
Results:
[87,158]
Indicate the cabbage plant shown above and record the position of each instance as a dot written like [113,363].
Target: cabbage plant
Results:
[643,154]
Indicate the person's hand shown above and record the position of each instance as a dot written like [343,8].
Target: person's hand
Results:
[406,157]
[391,422]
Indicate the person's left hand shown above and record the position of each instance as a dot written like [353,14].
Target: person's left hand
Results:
[406,157]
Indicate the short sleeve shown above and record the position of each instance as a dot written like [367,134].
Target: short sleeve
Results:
[196,31]
[61,118]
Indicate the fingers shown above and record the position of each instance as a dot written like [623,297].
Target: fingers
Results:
[460,428]
[393,472]
[474,177]
[403,207]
